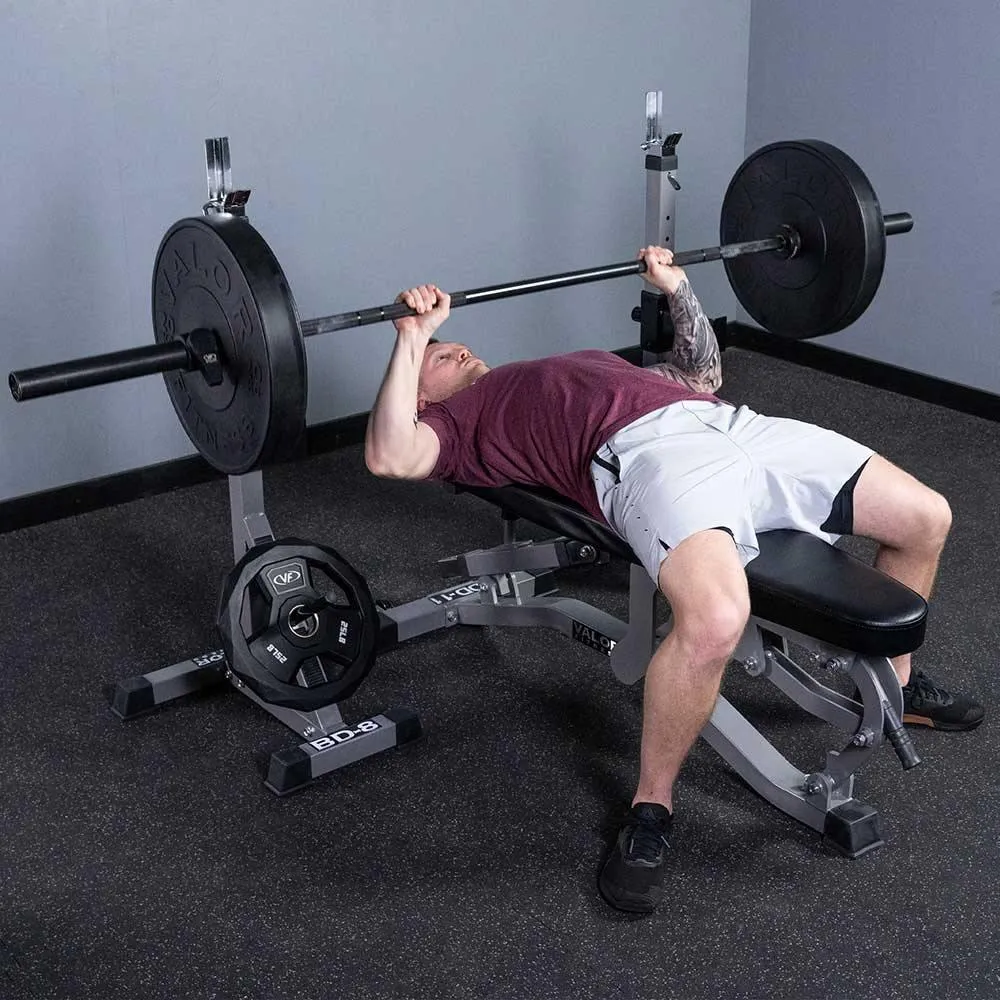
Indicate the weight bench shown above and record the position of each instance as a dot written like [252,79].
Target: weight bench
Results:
[847,617]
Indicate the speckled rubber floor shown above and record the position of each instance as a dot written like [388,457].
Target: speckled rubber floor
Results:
[145,860]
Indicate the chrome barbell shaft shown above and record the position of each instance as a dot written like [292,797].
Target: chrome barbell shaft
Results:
[900,222]
[528,286]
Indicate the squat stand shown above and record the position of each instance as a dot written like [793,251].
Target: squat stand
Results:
[329,742]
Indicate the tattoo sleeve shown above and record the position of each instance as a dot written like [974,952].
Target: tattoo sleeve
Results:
[695,360]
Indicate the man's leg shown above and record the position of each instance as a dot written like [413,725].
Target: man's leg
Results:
[706,586]
[910,522]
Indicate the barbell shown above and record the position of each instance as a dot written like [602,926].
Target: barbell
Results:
[802,241]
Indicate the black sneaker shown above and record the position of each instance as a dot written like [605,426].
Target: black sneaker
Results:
[926,704]
[632,877]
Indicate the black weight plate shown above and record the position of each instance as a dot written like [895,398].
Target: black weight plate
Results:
[257,596]
[218,273]
[822,193]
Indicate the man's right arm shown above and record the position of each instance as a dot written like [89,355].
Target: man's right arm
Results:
[695,360]
[397,445]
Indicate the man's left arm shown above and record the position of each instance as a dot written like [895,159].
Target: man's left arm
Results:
[695,360]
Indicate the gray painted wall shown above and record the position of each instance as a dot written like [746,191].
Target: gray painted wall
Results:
[387,143]
[911,89]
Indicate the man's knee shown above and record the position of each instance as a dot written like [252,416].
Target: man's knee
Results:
[895,509]
[706,586]
[938,517]
[928,520]
[714,631]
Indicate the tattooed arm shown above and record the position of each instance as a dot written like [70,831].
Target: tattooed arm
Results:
[695,360]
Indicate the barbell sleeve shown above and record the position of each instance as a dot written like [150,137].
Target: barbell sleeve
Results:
[897,222]
[100,369]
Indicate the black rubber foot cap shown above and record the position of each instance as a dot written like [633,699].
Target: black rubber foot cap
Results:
[407,724]
[133,697]
[289,771]
[853,829]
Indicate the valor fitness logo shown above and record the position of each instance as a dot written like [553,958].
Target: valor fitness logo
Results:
[591,637]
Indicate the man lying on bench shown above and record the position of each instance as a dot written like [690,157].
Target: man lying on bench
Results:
[686,479]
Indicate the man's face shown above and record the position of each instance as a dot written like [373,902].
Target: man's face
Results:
[447,368]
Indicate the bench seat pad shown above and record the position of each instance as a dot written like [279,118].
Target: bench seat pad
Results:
[798,580]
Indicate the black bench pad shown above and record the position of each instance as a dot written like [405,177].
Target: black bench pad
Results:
[798,581]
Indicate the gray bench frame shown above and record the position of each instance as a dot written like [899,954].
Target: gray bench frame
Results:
[514,585]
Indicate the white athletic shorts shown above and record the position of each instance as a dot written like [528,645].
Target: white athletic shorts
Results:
[697,465]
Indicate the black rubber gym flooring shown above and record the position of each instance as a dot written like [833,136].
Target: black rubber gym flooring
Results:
[146,860]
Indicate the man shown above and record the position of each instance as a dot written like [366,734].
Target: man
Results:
[686,479]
